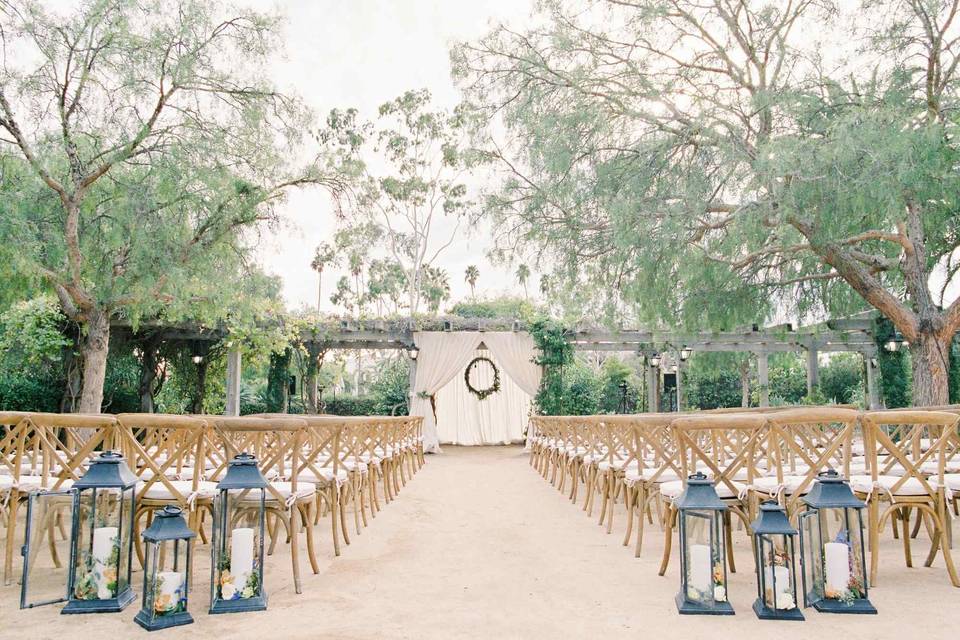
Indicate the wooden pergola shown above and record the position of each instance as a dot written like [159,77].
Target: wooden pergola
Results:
[855,334]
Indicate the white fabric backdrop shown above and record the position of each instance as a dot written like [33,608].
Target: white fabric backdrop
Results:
[464,419]
[445,354]
[442,355]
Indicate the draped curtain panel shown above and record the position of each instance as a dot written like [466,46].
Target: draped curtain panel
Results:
[515,353]
[465,419]
[444,356]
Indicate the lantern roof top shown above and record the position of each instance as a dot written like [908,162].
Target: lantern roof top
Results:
[168,524]
[700,494]
[243,473]
[832,491]
[109,471]
[772,521]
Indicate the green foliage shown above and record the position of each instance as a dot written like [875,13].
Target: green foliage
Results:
[390,389]
[278,379]
[31,334]
[895,370]
[351,406]
[712,389]
[788,379]
[841,380]
[497,307]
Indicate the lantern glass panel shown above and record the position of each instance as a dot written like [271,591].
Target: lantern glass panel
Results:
[778,581]
[842,545]
[238,549]
[811,546]
[167,582]
[42,582]
[101,562]
[703,566]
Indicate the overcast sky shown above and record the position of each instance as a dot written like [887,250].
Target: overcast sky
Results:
[362,53]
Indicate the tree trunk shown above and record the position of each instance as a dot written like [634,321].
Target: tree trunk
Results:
[201,389]
[930,358]
[72,364]
[94,346]
[745,384]
[312,400]
[148,375]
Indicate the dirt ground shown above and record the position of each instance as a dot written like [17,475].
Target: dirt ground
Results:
[477,545]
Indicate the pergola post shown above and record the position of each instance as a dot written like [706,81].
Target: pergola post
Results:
[679,383]
[232,407]
[412,378]
[763,377]
[653,389]
[873,395]
[813,375]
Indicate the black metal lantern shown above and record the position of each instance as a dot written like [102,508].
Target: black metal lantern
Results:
[236,582]
[776,571]
[831,548]
[101,539]
[703,560]
[167,558]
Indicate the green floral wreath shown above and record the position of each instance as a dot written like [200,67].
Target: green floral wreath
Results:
[482,394]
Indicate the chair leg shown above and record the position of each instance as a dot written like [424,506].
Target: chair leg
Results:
[334,518]
[13,505]
[629,496]
[667,539]
[905,517]
[343,517]
[642,506]
[305,510]
[295,548]
[874,535]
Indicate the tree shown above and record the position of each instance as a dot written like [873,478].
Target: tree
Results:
[470,277]
[420,184]
[324,256]
[138,149]
[436,287]
[523,274]
[713,163]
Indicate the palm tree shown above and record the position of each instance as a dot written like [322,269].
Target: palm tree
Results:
[472,274]
[324,256]
[523,274]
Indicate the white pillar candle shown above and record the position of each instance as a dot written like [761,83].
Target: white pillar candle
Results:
[241,556]
[700,575]
[170,583]
[103,546]
[837,561]
[782,576]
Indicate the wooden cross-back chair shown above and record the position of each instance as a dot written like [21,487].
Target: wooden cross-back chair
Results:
[285,454]
[659,462]
[799,445]
[167,453]
[724,447]
[907,453]
[619,441]
[48,451]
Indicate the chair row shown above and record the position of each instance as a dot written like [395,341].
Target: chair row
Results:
[316,466]
[904,464]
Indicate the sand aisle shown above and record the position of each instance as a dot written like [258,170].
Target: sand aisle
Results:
[477,545]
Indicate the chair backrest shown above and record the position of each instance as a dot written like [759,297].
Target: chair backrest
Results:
[56,447]
[278,444]
[721,445]
[160,448]
[910,444]
[806,441]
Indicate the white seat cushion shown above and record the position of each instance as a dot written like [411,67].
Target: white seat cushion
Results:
[674,488]
[912,486]
[160,491]
[952,480]
[769,484]
[285,489]
[326,477]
